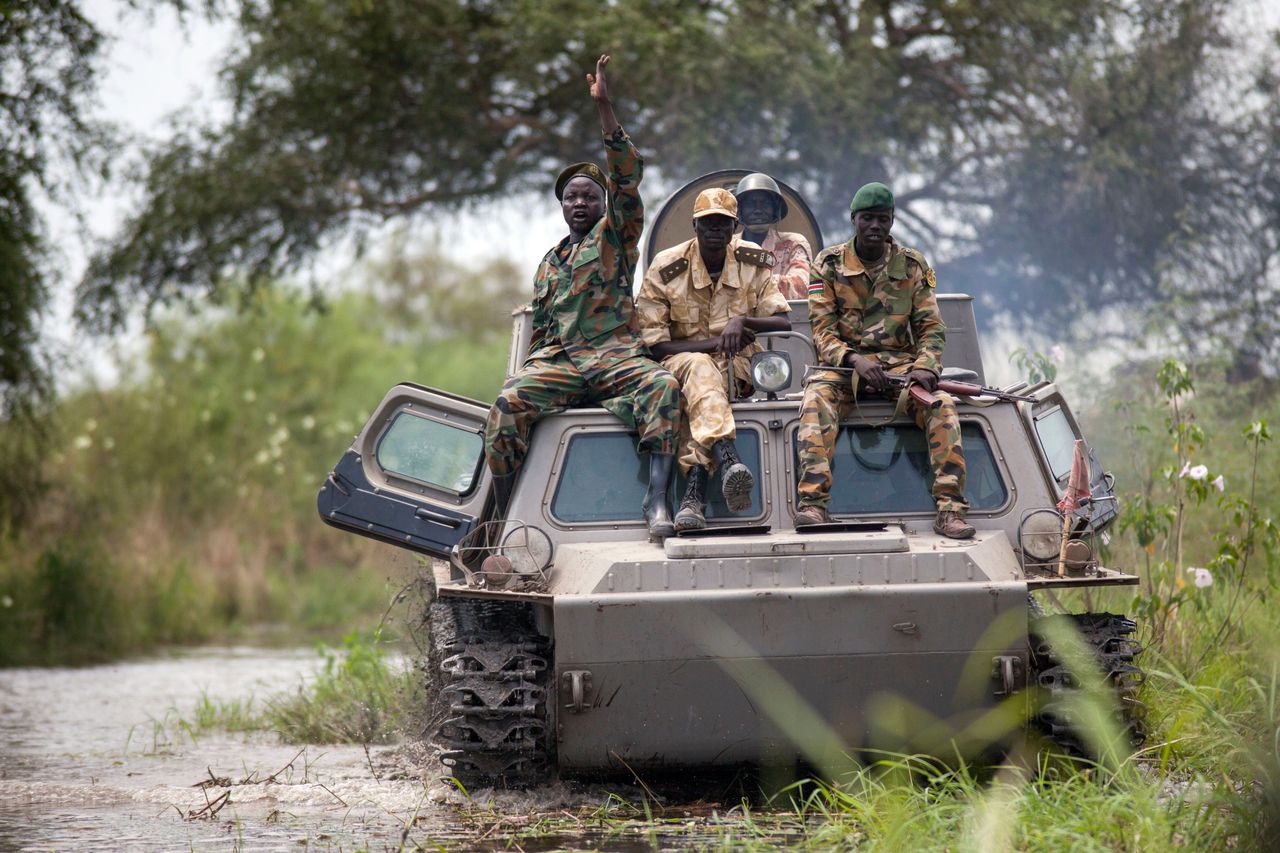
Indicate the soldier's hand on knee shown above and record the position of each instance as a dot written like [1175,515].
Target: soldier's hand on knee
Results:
[926,379]
[736,336]
[870,371]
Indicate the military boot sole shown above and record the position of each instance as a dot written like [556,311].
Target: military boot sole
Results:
[687,519]
[736,486]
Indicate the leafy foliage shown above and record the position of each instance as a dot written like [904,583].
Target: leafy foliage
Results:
[189,485]
[1051,150]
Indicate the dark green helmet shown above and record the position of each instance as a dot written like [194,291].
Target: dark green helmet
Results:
[760,182]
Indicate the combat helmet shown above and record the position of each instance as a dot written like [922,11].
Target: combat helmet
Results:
[760,182]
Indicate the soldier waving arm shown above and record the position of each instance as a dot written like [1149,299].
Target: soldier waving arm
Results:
[624,214]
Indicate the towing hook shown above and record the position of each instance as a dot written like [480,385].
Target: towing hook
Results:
[579,683]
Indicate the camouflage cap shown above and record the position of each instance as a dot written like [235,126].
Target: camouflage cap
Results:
[715,200]
[585,170]
[872,196]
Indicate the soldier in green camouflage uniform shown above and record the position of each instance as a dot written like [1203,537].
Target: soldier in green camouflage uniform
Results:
[584,347]
[873,309]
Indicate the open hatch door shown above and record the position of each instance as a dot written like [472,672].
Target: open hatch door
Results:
[415,475]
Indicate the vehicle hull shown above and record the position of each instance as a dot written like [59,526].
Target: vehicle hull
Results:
[731,677]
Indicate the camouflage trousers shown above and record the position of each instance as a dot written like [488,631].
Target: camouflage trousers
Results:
[704,406]
[827,402]
[638,391]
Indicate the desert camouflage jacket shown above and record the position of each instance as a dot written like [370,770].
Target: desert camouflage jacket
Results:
[791,258]
[582,303]
[678,301]
[892,317]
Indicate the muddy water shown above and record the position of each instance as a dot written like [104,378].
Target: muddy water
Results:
[97,758]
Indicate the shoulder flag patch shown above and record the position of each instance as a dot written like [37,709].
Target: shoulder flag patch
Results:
[815,287]
[929,278]
[756,257]
[673,269]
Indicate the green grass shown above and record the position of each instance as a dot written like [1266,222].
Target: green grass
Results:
[357,696]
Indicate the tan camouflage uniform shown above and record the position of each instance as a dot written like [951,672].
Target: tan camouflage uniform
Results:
[791,257]
[892,318]
[679,302]
[584,347]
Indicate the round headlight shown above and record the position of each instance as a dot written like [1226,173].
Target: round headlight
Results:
[1040,535]
[528,549]
[771,371]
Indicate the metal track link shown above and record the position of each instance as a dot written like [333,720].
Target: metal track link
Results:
[1111,638]
[495,673]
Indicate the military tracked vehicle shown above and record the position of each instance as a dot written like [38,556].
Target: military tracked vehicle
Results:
[568,642]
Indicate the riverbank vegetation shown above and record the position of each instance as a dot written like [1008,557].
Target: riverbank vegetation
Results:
[177,504]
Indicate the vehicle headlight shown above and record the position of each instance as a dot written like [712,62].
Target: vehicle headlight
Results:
[771,370]
[1040,535]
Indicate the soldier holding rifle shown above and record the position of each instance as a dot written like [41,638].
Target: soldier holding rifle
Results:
[874,315]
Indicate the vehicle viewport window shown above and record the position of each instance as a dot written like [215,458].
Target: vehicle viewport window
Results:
[885,470]
[604,478]
[438,454]
[1058,440]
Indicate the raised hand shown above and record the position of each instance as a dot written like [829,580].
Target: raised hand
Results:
[598,87]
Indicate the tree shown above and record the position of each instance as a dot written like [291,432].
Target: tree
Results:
[48,52]
[1039,147]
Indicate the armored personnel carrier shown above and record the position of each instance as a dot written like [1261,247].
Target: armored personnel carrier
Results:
[567,642]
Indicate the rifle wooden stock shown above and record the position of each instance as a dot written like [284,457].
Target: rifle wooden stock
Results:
[923,397]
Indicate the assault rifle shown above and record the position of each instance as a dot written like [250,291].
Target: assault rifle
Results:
[968,389]
[929,401]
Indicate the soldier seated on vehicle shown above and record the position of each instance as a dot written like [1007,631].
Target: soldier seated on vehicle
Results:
[700,307]
[873,310]
[583,348]
[761,207]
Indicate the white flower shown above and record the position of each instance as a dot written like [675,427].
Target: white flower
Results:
[1186,466]
[1198,472]
[259,354]
[1057,354]
[82,442]
[206,416]
[6,601]
[108,443]
[262,457]
[250,395]
[1204,577]
[1218,483]
[308,422]
[90,425]
[1255,429]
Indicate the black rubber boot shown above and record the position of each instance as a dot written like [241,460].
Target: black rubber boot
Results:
[690,516]
[657,508]
[503,485]
[736,480]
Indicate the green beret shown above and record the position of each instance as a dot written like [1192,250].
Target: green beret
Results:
[872,196]
[584,170]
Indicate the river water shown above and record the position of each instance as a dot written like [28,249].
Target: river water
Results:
[97,758]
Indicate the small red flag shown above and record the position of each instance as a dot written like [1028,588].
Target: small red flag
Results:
[1078,483]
